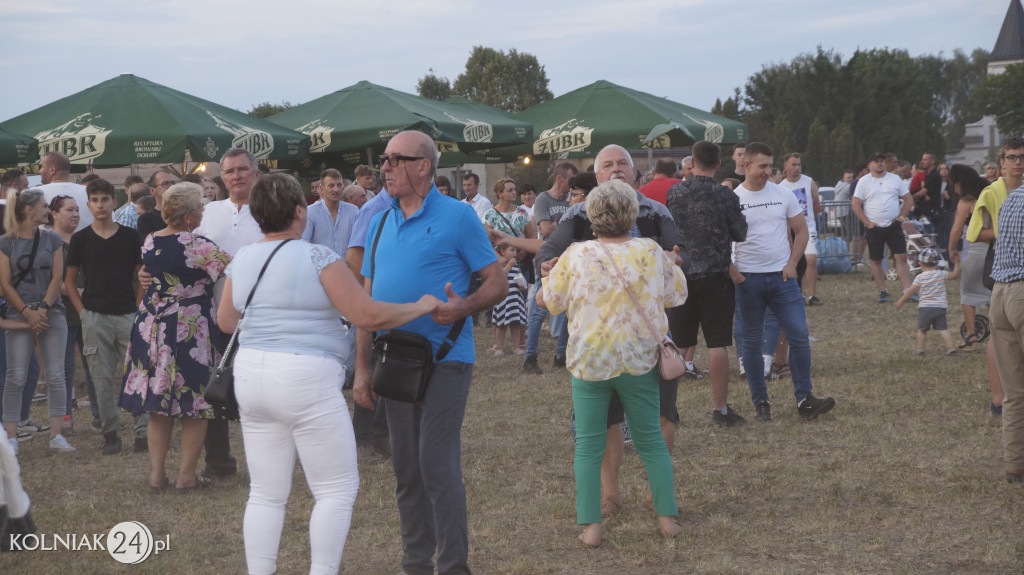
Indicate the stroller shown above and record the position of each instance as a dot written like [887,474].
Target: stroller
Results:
[917,240]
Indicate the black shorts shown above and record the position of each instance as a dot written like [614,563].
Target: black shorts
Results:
[931,317]
[879,237]
[710,304]
[667,393]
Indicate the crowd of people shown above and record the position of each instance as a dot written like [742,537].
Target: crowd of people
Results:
[149,294]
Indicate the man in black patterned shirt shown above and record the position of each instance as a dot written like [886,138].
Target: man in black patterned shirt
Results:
[709,219]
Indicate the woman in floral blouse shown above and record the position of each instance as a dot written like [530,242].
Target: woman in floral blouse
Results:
[172,350]
[611,347]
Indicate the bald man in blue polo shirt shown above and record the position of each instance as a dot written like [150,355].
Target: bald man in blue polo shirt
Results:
[429,243]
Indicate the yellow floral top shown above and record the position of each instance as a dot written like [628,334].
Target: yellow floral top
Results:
[607,334]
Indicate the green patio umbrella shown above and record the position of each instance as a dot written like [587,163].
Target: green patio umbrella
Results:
[130,120]
[17,149]
[358,120]
[581,122]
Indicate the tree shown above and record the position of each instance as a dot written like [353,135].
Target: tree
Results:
[266,109]
[434,87]
[512,82]
[1002,96]
[728,109]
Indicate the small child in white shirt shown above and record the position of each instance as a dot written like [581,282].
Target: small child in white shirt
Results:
[931,309]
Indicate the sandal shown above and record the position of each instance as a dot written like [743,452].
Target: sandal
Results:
[201,483]
[157,489]
[521,350]
[780,368]
[496,352]
[970,340]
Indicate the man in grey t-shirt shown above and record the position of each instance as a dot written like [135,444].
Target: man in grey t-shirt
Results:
[548,210]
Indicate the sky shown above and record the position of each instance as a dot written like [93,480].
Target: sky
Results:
[240,53]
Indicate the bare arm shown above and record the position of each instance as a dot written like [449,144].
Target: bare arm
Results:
[857,205]
[35,318]
[816,199]
[962,209]
[546,227]
[908,204]
[69,286]
[798,225]
[365,313]
[529,244]
[906,295]
[361,391]
[493,290]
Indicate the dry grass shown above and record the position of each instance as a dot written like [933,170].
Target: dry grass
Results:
[904,476]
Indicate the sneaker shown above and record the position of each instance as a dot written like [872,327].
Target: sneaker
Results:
[693,374]
[39,396]
[558,362]
[141,445]
[763,410]
[811,407]
[24,435]
[530,365]
[729,419]
[953,351]
[33,427]
[58,443]
[918,352]
[883,296]
[743,371]
[13,442]
[915,297]
[111,443]
[814,300]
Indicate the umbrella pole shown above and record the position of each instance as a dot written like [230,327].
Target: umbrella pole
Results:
[458,178]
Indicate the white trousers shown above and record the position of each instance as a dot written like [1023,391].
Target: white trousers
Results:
[292,403]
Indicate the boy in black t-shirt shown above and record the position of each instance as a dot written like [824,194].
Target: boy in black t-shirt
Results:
[109,256]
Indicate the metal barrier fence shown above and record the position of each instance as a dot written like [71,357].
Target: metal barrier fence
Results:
[837,220]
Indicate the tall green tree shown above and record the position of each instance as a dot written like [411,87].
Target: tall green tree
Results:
[267,109]
[510,81]
[1002,96]
[434,87]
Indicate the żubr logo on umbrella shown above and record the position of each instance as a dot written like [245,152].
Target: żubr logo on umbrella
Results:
[713,131]
[81,140]
[568,137]
[257,142]
[319,135]
[475,130]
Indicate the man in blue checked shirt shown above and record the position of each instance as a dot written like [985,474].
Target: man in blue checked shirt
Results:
[1007,317]
[329,220]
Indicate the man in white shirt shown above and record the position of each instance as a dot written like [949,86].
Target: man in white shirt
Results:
[230,225]
[767,279]
[55,171]
[470,184]
[806,192]
[876,203]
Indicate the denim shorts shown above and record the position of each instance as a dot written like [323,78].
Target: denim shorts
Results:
[929,317]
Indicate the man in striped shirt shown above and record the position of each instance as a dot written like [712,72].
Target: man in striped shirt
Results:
[329,220]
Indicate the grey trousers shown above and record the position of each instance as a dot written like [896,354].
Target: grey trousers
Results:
[106,338]
[20,346]
[426,454]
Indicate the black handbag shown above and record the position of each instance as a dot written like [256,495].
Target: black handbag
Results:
[402,360]
[220,392]
[990,258]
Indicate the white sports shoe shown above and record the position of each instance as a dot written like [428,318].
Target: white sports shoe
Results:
[58,443]
[13,442]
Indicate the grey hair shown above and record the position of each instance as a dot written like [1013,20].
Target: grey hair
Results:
[609,147]
[688,161]
[179,200]
[238,152]
[612,209]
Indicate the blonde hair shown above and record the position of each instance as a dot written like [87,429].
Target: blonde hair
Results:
[180,200]
[17,203]
[612,209]
[499,186]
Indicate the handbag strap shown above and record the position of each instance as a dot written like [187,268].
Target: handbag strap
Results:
[629,290]
[22,274]
[453,333]
[510,226]
[229,351]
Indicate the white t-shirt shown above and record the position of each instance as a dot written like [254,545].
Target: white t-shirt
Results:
[881,197]
[230,227]
[76,191]
[767,212]
[802,190]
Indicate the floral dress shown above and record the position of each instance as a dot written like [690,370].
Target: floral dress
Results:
[173,339]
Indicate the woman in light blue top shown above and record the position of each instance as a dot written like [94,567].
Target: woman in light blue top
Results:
[289,374]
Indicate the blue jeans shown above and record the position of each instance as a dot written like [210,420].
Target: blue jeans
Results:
[30,381]
[772,329]
[763,291]
[537,315]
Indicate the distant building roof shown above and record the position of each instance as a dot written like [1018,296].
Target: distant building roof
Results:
[1010,44]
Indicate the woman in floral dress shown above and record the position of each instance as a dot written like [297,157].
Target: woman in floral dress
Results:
[172,350]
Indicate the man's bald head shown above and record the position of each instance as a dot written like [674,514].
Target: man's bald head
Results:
[613,162]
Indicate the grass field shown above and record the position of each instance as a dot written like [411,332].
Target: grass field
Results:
[904,476]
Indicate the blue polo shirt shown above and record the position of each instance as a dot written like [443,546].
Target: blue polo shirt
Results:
[442,242]
[378,204]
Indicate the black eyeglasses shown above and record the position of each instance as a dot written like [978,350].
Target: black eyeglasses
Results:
[1013,158]
[393,159]
[168,183]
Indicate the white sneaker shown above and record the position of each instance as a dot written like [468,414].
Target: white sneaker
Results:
[740,361]
[768,359]
[58,443]
[13,442]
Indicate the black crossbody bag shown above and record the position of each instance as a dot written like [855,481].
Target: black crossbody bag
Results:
[402,360]
[220,392]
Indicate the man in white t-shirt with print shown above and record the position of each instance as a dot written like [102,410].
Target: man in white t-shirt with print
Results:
[876,203]
[767,265]
[806,192]
[55,172]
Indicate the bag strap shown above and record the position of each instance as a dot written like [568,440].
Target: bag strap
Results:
[22,274]
[453,333]
[229,351]
[510,226]
[376,238]
[629,290]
